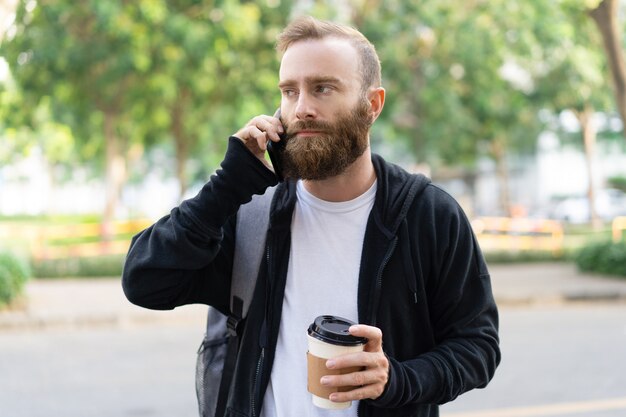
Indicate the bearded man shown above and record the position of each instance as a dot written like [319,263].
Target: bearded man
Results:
[349,234]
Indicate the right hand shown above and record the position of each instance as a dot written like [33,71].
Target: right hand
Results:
[257,132]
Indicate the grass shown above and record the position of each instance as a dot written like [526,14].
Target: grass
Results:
[51,220]
[70,241]
[35,244]
[79,267]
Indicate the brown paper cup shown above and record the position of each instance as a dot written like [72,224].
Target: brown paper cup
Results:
[320,350]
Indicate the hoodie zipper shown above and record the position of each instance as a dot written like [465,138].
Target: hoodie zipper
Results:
[257,374]
[379,284]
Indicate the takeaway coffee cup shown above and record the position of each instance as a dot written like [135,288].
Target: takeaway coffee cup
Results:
[328,338]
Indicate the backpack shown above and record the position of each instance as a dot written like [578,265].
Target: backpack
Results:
[218,351]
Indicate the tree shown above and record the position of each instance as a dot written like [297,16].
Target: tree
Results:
[210,62]
[573,80]
[129,75]
[27,126]
[605,15]
[448,92]
[83,58]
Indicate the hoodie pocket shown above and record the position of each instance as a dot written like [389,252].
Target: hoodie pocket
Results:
[209,366]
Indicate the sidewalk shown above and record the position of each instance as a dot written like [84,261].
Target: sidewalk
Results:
[75,303]
[541,283]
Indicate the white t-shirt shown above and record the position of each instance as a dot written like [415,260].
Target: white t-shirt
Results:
[322,278]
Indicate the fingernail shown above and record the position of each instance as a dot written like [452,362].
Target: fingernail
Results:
[333,397]
[325,381]
[330,364]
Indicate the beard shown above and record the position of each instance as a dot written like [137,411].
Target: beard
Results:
[332,151]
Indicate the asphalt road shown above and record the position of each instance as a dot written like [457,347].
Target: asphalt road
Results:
[145,371]
[561,361]
[566,361]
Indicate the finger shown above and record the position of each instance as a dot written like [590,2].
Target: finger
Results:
[361,393]
[375,372]
[366,385]
[275,122]
[262,123]
[359,359]
[373,335]
[270,125]
[355,379]
[259,137]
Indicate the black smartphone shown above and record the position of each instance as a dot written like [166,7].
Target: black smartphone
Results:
[275,151]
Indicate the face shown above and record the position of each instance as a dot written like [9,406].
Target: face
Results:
[326,116]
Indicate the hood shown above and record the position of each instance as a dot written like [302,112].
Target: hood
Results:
[397,193]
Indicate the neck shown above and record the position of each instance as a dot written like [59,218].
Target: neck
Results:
[348,185]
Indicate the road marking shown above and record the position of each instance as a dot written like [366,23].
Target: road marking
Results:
[548,410]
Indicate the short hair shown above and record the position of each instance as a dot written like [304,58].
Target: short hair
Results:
[307,27]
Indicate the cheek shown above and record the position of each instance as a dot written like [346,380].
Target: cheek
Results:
[286,110]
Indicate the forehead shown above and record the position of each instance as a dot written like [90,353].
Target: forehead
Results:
[320,58]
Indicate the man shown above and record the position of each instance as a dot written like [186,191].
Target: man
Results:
[349,235]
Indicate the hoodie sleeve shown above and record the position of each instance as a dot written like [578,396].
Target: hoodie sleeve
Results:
[463,314]
[186,256]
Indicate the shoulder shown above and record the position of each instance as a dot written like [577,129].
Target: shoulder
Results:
[433,194]
[437,210]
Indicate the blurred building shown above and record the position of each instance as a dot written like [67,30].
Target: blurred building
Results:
[536,184]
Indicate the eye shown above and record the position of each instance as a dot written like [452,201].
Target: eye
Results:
[289,92]
[324,89]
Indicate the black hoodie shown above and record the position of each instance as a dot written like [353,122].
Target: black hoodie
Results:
[423,282]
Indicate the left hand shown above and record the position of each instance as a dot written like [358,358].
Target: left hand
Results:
[372,379]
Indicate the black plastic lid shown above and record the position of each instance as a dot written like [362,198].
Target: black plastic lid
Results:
[334,330]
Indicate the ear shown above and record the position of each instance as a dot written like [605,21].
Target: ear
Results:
[376,98]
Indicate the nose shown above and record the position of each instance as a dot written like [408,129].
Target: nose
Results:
[305,109]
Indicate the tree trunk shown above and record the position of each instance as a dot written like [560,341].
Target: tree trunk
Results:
[498,150]
[51,203]
[606,18]
[182,142]
[115,174]
[585,118]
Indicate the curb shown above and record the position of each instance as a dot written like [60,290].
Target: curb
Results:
[595,297]
[37,323]
[565,299]
[91,303]
[25,321]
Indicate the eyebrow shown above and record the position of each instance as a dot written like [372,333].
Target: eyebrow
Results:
[313,80]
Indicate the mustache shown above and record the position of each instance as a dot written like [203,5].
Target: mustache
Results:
[293,128]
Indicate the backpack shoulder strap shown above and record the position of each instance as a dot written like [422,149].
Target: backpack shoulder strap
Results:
[251,230]
[250,233]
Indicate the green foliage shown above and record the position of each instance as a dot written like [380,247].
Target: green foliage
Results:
[573,74]
[13,275]
[463,79]
[130,75]
[604,258]
[101,266]
[618,182]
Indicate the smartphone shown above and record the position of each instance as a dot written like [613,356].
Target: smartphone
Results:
[275,151]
